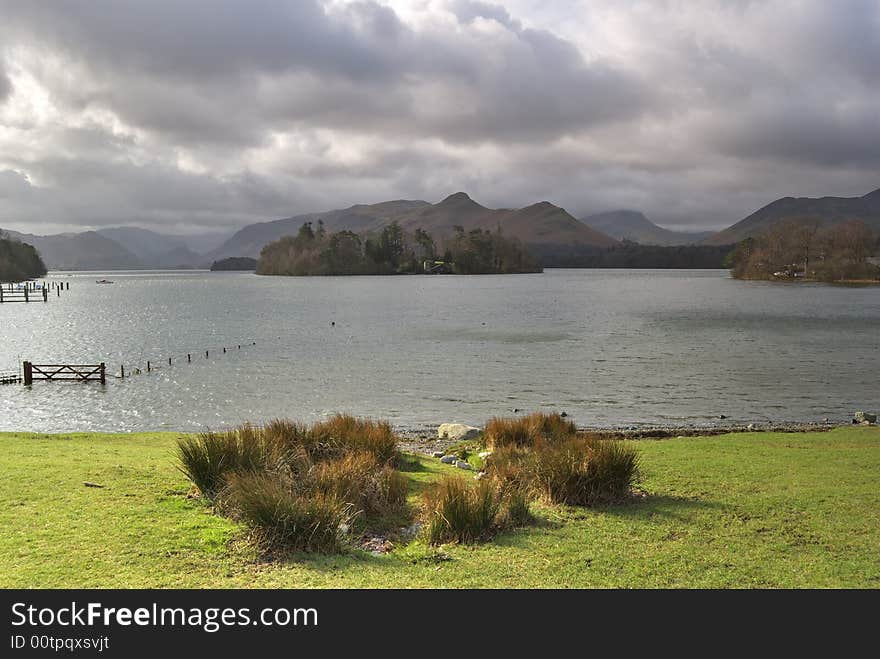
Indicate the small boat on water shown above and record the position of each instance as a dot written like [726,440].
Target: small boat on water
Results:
[103,281]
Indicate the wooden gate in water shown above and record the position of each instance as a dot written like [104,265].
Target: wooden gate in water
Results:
[64,372]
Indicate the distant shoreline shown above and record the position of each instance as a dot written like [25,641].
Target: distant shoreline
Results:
[801,280]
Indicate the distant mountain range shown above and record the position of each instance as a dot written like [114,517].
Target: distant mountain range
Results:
[828,210]
[88,250]
[120,248]
[550,232]
[541,226]
[635,227]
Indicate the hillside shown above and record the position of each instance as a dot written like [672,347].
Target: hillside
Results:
[119,248]
[146,245]
[81,251]
[541,225]
[829,210]
[362,217]
[633,226]
[19,261]
[538,224]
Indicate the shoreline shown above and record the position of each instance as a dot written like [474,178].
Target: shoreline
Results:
[424,439]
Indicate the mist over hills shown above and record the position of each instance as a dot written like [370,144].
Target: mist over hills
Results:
[635,227]
[119,248]
[88,250]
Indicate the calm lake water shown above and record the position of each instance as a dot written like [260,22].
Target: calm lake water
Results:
[609,347]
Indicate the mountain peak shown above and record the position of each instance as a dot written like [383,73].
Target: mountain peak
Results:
[459,202]
[457,197]
[542,207]
[873,196]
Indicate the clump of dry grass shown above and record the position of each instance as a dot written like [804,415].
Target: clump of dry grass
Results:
[206,458]
[376,491]
[528,430]
[457,511]
[583,470]
[293,484]
[280,516]
[344,433]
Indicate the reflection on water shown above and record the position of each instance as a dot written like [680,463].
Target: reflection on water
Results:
[610,347]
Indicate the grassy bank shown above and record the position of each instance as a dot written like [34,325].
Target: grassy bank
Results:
[744,510]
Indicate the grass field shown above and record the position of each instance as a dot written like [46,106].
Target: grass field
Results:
[745,510]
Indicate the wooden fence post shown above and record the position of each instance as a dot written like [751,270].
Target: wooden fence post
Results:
[28,373]
[45,294]
[103,374]
[26,294]
[122,371]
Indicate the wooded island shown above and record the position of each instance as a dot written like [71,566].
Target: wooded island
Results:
[394,251]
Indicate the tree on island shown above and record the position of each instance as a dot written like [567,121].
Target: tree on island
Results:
[803,248]
[392,251]
[243,263]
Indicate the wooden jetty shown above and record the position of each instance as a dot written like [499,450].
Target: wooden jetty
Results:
[24,295]
[30,291]
[64,372]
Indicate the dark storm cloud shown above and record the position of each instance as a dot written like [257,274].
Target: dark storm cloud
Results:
[227,111]
[801,130]
[211,70]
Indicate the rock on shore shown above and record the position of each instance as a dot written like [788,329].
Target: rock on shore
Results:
[457,432]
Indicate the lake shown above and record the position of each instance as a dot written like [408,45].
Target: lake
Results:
[609,347]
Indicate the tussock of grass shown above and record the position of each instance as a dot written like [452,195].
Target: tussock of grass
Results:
[528,430]
[295,484]
[515,509]
[583,472]
[281,517]
[207,457]
[545,456]
[344,433]
[457,511]
[355,478]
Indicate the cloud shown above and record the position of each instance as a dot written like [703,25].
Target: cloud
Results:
[5,85]
[222,112]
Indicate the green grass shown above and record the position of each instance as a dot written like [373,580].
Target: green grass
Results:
[745,510]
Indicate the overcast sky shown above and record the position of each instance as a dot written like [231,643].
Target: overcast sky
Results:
[211,114]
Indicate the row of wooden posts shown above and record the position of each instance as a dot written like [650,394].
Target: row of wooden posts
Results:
[189,357]
[34,285]
[30,292]
[82,372]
